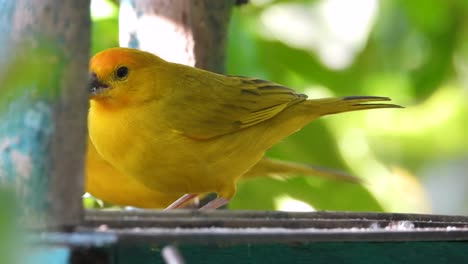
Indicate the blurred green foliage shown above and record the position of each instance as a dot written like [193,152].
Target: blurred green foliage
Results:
[42,63]
[412,51]
[9,229]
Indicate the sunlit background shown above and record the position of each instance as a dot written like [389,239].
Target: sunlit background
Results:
[416,52]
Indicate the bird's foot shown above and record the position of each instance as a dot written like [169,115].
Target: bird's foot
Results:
[214,204]
[181,201]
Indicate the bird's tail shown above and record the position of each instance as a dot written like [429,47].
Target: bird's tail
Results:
[328,106]
[296,117]
[271,168]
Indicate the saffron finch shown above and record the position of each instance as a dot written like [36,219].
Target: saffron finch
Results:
[178,129]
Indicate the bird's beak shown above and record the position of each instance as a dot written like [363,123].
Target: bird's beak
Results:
[95,86]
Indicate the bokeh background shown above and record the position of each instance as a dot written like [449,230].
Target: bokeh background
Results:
[416,52]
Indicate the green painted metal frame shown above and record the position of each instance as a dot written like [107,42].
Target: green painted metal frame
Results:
[265,237]
[324,252]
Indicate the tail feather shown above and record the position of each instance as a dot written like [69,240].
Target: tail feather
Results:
[328,106]
[366,98]
[269,168]
[294,118]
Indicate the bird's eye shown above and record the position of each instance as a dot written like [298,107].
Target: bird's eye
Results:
[121,72]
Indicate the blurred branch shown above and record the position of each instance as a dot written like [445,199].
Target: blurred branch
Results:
[186,31]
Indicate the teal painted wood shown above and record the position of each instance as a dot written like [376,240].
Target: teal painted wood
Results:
[25,137]
[43,107]
[322,252]
[47,255]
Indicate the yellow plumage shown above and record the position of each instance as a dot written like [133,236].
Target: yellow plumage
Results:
[178,129]
[105,182]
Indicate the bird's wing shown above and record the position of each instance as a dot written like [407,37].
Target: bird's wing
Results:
[215,105]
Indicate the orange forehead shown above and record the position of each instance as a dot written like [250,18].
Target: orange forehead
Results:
[105,62]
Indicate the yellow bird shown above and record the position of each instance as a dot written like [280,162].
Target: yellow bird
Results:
[178,129]
[105,182]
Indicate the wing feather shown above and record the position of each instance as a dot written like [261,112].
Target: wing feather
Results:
[217,105]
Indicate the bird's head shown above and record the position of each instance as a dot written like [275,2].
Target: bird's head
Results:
[123,75]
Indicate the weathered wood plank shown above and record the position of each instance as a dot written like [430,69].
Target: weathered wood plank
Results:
[43,105]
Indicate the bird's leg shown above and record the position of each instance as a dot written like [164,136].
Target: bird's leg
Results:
[216,203]
[181,201]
